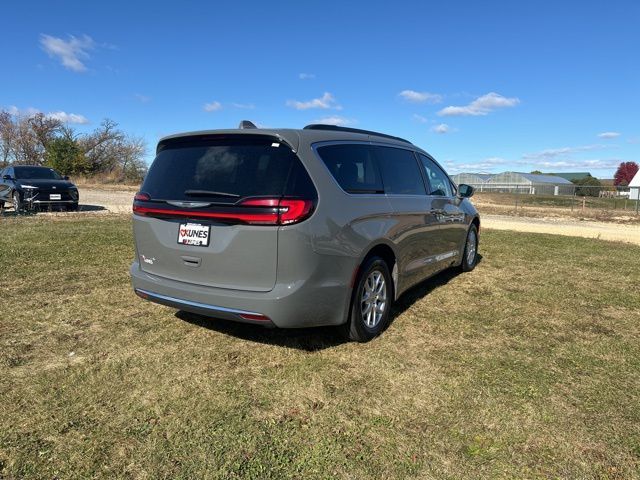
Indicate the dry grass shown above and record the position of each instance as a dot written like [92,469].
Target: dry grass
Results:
[528,367]
[111,180]
[616,210]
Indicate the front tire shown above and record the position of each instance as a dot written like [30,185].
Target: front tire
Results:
[372,299]
[17,203]
[470,255]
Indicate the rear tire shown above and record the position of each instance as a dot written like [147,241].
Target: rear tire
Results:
[73,207]
[372,300]
[470,255]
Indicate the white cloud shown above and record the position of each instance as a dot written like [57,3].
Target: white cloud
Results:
[441,128]
[212,107]
[600,163]
[27,112]
[564,151]
[485,165]
[327,101]
[60,115]
[306,76]
[68,117]
[72,53]
[142,98]
[335,120]
[419,118]
[420,97]
[481,106]
[246,106]
[608,135]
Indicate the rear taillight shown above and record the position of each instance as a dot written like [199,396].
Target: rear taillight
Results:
[287,210]
[253,211]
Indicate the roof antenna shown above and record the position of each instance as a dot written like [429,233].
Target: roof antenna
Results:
[246,124]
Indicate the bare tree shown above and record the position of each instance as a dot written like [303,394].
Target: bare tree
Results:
[8,135]
[28,150]
[101,147]
[45,128]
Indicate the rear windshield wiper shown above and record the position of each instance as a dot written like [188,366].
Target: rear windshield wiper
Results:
[209,193]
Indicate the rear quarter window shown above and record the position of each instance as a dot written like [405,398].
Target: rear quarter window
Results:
[353,166]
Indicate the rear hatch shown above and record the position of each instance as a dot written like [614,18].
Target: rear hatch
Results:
[210,208]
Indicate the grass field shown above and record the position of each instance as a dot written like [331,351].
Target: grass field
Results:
[527,367]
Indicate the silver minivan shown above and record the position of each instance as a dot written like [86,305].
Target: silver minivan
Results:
[296,228]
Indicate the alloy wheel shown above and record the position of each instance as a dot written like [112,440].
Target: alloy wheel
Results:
[373,301]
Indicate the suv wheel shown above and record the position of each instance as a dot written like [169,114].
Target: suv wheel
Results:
[470,256]
[372,300]
[17,204]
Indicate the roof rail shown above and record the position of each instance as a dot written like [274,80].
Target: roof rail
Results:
[336,128]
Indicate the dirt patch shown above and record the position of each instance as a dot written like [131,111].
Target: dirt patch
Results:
[114,201]
[557,226]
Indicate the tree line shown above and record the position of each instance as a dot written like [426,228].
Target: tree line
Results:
[41,140]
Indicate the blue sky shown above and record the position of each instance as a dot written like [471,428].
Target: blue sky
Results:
[482,86]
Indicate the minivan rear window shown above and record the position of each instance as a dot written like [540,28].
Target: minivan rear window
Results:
[225,170]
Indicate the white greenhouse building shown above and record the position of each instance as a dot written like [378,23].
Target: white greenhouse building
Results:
[474,179]
[517,182]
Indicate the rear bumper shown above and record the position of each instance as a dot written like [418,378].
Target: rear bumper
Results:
[205,309]
[315,302]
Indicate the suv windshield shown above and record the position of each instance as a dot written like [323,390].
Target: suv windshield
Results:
[225,169]
[36,173]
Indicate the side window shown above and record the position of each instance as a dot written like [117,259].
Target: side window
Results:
[400,171]
[353,166]
[438,181]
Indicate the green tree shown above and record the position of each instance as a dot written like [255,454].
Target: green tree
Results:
[588,186]
[65,155]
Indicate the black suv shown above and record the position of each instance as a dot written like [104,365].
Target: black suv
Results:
[31,187]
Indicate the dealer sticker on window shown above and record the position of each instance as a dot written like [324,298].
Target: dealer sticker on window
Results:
[194,234]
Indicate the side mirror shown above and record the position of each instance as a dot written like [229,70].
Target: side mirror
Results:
[66,177]
[465,191]
[6,177]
